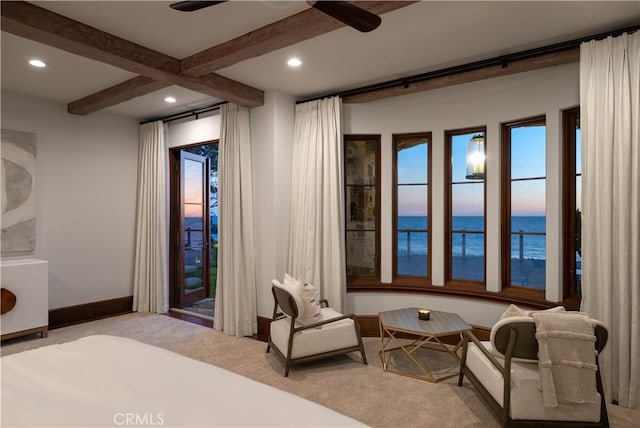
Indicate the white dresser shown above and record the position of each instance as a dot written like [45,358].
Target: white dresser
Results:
[28,279]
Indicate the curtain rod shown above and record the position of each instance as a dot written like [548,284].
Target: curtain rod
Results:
[182,115]
[502,60]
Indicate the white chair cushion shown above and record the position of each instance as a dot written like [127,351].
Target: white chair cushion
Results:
[526,397]
[329,337]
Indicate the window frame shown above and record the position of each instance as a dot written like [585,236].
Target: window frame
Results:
[175,224]
[507,288]
[570,120]
[448,194]
[408,280]
[365,280]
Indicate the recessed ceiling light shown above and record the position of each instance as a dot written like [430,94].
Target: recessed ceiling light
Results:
[294,62]
[170,100]
[37,63]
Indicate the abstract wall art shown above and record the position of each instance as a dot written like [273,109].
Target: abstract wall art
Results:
[18,175]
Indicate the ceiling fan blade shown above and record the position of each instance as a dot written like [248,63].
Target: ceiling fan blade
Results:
[192,6]
[350,14]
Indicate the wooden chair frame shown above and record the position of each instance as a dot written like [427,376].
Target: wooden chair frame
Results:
[285,301]
[517,340]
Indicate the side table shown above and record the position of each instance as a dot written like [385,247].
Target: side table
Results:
[398,325]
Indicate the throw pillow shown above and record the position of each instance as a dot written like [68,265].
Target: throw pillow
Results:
[513,311]
[555,309]
[292,285]
[516,311]
[311,300]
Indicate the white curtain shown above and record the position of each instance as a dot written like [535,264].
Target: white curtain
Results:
[235,307]
[316,248]
[609,106]
[150,286]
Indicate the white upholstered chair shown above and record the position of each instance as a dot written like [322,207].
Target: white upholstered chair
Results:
[504,370]
[333,334]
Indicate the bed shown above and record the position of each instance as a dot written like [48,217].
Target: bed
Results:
[113,381]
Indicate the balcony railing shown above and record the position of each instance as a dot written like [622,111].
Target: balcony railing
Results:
[464,237]
[521,234]
[408,232]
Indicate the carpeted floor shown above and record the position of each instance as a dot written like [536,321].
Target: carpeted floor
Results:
[365,393]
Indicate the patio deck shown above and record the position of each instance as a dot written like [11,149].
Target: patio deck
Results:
[202,307]
[525,272]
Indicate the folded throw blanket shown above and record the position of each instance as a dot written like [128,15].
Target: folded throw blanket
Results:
[566,355]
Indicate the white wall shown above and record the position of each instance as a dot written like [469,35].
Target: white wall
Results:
[86,197]
[271,149]
[489,102]
[192,131]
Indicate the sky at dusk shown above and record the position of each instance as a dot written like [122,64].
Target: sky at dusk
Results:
[528,160]
[412,169]
[193,197]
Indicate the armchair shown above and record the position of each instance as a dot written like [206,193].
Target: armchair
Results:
[504,370]
[334,334]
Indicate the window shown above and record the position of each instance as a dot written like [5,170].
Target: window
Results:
[465,206]
[571,205]
[524,205]
[404,255]
[412,207]
[362,205]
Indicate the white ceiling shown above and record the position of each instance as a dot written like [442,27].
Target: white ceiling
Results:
[421,37]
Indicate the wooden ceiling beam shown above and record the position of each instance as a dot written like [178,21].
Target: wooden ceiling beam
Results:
[288,31]
[41,25]
[293,29]
[125,91]
[519,66]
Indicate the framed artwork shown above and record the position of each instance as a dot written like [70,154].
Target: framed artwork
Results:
[18,172]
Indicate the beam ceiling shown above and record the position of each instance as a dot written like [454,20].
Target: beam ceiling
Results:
[293,29]
[41,25]
[195,72]
[299,27]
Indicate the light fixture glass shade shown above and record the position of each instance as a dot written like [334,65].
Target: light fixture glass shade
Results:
[37,63]
[294,62]
[475,158]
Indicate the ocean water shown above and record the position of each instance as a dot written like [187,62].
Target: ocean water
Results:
[416,242]
[533,246]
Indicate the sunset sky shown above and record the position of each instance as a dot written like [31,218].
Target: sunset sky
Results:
[528,160]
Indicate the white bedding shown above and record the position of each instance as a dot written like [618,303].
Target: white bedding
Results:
[112,381]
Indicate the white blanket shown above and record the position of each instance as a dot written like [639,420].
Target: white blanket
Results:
[566,355]
[106,381]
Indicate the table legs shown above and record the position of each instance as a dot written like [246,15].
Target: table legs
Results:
[389,337]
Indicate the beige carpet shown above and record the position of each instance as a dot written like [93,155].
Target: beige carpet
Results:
[365,393]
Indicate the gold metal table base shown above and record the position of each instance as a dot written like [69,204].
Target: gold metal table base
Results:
[389,336]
